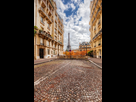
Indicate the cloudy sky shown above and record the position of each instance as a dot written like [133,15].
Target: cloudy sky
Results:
[76,17]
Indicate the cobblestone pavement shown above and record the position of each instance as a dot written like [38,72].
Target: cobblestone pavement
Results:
[71,81]
[43,60]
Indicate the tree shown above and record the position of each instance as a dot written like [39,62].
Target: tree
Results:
[72,52]
[83,53]
[34,32]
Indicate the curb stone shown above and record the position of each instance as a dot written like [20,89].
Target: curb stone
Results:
[44,62]
[95,64]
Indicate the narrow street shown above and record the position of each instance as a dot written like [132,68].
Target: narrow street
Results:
[67,81]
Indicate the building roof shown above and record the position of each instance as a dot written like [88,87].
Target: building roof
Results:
[84,43]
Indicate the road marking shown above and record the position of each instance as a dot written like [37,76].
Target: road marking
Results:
[95,64]
[43,78]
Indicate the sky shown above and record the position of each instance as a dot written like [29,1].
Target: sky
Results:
[76,17]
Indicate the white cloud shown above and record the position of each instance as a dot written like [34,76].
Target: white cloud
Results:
[72,6]
[79,31]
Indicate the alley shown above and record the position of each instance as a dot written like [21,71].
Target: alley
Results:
[67,81]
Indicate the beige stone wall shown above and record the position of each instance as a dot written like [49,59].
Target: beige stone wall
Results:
[95,17]
[37,22]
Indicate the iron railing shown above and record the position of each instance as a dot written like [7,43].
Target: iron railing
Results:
[45,14]
[45,34]
[42,44]
[94,8]
[97,34]
[96,15]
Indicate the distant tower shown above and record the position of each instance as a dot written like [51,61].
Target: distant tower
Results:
[68,47]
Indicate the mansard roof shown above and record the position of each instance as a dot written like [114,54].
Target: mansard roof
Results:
[84,43]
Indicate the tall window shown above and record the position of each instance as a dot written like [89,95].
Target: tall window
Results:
[41,40]
[41,19]
[48,25]
[99,41]
[48,51]
[47,43]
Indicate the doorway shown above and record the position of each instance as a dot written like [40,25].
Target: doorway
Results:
[99,53]
[41,53]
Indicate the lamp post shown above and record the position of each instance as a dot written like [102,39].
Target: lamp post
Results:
[58,50]
[86,49]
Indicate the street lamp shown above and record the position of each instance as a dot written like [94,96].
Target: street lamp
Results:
[86,49]
[58,49]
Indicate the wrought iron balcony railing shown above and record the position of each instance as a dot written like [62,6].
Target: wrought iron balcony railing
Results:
[99,23]
[55,32]
[97,34]
[48,27]
[92,4]
[96,15]
[94,8]
[60,42]
[42,44]
[45,14]
[42,22]
[45,34]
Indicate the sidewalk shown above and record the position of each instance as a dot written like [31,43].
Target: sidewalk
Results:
[98,61]
[38,61]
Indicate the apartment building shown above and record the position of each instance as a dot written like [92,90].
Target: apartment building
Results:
[84,46]
[96,27]
[48,41]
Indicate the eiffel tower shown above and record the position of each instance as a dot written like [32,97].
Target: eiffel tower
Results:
[68,47]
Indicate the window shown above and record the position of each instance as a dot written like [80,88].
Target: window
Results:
[48,26]
[99,41]
[55,17]
[48,51]
[41,40]
[47,43]
[41,19]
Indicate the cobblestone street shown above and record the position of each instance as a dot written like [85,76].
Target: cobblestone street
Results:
[67,81]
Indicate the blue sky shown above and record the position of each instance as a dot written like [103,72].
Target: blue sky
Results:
[76,17]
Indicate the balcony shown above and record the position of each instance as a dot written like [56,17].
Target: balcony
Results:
[96,15]
[55,38]
[42,22]
[98,23]
[56,26]
[45,34]
[45,14]
[100,32]
[60,31]
[60,42]
[55,32]
[94,8]
[92,5]
[42,44]
[48,27]
[50,11]
[45,3]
